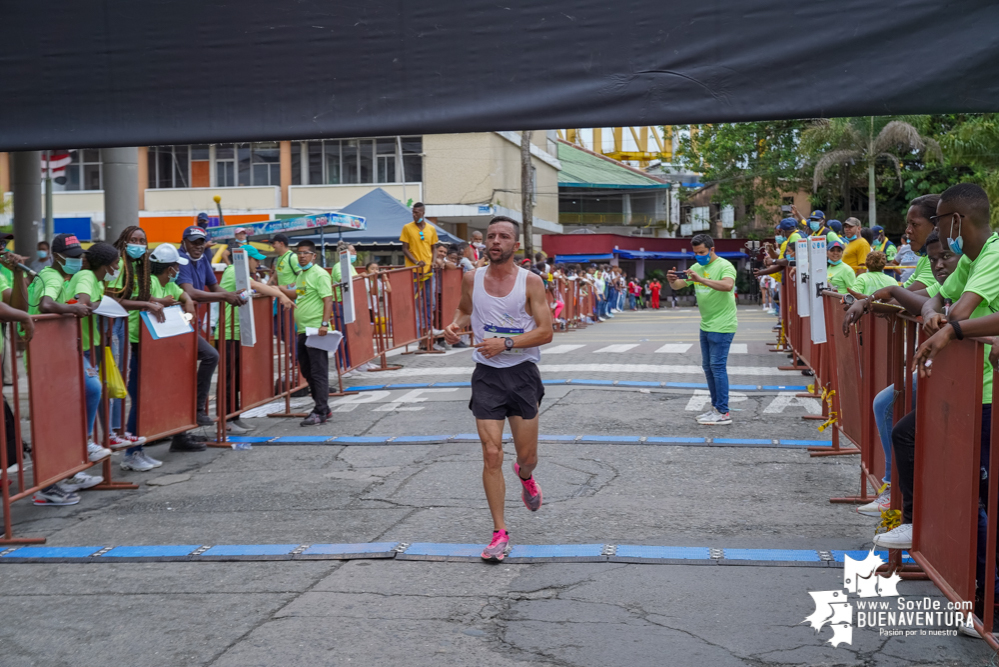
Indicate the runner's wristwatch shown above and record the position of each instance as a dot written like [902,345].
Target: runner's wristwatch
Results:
[508,343]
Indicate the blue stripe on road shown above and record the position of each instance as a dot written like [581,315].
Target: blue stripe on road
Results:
[402,439]
[299,438]
[582,439]
[742,441]
[807,443]
[611,438]
[601,383]
[433,551]
[656,440]
[252,439]
[596,383]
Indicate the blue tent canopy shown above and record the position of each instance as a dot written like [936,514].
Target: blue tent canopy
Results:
[385,218]
[646,254]
[575,259]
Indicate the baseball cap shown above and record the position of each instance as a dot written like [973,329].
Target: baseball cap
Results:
[203,216]
[66,245]
[194,232]
[787,223]
[877,229]
[167,254]
[253,252]
[241,230]
[835,244]
[835,225]
[817,215]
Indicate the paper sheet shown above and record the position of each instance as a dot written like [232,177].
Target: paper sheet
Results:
[175,324]
[110,308]
[330,342]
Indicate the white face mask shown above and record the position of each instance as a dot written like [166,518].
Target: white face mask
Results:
[111,277]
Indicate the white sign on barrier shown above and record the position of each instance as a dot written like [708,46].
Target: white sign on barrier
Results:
[801,278]
[247,331]
[345,285]
[819,278]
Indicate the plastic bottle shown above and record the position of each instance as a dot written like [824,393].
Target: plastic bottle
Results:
[242,445]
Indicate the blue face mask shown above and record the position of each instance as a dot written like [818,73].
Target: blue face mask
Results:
[42,254]
[173,278]
[780,239]
[307,266]
[851,239]
[836,263]
[135,251]
[72,264]
[814,225]
[703,260]
[956,245]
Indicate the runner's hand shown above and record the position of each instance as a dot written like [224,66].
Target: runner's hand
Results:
[930,348]
[491,347]
[451,334]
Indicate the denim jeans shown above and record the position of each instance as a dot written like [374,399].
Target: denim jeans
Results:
[133,393]
[424,314]
[119,339]
[884,411]
[714,361]
[92,384]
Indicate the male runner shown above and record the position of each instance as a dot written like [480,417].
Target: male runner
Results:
[510,319]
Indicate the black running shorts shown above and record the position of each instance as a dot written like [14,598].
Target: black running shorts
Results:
[498,393]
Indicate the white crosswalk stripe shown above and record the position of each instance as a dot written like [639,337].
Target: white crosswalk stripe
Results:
[559,349]
[674,348]
[616,349]
[739,348]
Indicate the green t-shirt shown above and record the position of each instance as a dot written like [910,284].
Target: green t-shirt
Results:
[841,276]
[49,283]
[287,269]
[981,277]
[133,315]
[718,311]
[335,278]
[888,248]
[872,281]
[156,291]
[923,273]
[228,283]
[311,286]
[933,290]
[85,282]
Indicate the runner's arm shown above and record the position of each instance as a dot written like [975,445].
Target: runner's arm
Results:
[543,332]
[463,314]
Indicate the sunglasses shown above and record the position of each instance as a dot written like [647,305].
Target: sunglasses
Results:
[935,219]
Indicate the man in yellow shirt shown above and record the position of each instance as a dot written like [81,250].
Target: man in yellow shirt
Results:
[418,240]
[857,248]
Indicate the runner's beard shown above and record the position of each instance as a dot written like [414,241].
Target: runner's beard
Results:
[504,256]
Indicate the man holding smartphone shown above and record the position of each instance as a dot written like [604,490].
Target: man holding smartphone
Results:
[714,287]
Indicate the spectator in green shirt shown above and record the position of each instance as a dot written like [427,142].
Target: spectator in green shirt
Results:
[840,275]
[875,277]
[714,285]
[313,295]
[286,268]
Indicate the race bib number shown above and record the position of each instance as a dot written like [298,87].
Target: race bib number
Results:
[504,332]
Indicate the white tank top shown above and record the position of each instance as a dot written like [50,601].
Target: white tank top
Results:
[503,317]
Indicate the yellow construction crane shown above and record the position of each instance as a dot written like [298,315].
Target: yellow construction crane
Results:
[643,156]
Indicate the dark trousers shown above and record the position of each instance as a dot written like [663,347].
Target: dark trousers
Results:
[208,361]
[315,365]
[9,434]
[903,437]
[232,375]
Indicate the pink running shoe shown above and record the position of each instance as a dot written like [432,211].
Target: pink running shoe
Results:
[496,551]
[532,490]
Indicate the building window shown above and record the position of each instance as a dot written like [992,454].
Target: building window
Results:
[357,161]
[169,166]
[84,171]
[225,166]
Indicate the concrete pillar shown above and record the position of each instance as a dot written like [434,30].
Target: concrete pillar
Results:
[640,269]
[120,173]
[626,208]
[143,176]
[4,173]
[26,184]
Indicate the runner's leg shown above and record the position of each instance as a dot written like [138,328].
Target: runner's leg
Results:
[491,435]
[525,440]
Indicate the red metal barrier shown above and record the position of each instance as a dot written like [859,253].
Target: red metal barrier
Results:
[358,335]
[58,446]
[450,294]
[945,498]
[166,396]
[401,308]
[843,364]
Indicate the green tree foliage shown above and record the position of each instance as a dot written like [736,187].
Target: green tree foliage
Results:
[754,164]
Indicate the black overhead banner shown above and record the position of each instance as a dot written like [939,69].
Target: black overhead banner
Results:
[148,72]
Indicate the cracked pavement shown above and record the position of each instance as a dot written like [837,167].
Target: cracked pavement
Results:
[460,613]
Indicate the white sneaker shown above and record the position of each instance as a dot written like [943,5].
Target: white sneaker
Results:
[878,505]
[709,413]
[896,538]
[233,428]
[95,452]
[149,459]
[80,481]
[717,419]
[243,425]
[135,462]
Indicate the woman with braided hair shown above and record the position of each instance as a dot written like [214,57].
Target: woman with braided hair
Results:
[131,289]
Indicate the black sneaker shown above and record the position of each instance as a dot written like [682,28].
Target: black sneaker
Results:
[204,419]
[313,420]
[304,391]
[182,443]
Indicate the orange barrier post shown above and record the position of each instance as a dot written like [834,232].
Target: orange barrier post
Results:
[58,446]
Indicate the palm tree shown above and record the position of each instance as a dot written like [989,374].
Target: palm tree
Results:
[853,141]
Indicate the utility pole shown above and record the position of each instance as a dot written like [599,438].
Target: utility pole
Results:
[527,193]
[49,215]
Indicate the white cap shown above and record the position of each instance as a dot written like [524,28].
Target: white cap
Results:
[167,254]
